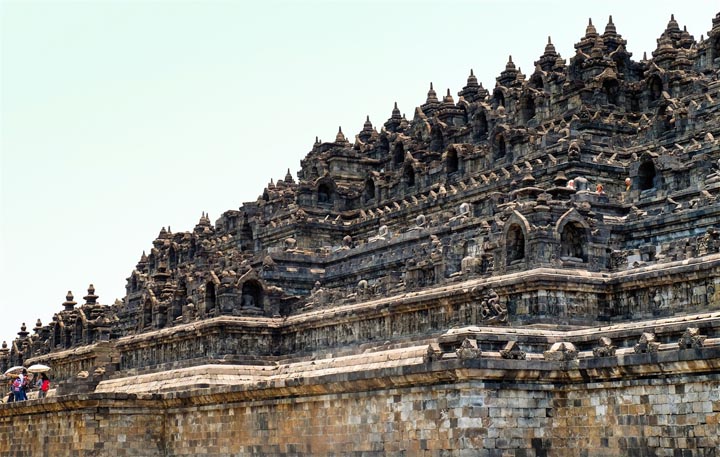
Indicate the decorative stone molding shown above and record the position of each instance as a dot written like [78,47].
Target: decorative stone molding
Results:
[469,350]
[606,348]
[691,339]
[433,353]
[561,351]
[647,344]
[512,351]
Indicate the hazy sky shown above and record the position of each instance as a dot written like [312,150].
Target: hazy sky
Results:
[121,117]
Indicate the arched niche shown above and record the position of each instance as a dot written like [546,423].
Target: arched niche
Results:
[527,107]
[574,241]
[437,139]
[498,98]
[452,162]
[210,298]
[409,175]
[398,153]
[369,191]
[514,244]
[68,338]
[500,147]
[252,294]
[611,89]
[78,331]
[646,175]
[536,82]
[147,313]
[246,237]
[480,126]
[325,194]
[655,88]
[57,334]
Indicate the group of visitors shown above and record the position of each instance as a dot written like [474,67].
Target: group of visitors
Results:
[20,385]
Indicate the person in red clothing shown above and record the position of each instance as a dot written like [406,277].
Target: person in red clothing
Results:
[44,385]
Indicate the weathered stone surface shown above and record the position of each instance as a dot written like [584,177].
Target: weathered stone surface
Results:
[530,271]
[691,338]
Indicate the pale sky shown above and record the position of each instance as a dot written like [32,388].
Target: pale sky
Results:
[120,117]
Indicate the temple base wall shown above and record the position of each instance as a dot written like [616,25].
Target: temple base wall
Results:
[656,416]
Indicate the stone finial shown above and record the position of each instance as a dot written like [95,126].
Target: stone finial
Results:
[472,80]
[4,346]
[468,350]
[288,177]
[396,112]
[610,28]
[23,333]
[433,353]
[340,137]
[691,339]
[647,344]
[590,31]
[431,95]
[561,351]
[550,48]
[673,25]
[204,219]
[69,302]
[367,126]
[448,99]
[90,298]
[512,351]
[38,326]
[605,349]
[510,65]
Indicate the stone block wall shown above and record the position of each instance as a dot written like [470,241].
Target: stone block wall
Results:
[463,419]
[640,418]
[82,426]
[675,416]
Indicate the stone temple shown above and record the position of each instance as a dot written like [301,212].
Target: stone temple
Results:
[532,270]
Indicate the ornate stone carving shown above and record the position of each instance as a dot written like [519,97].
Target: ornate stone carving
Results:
[469,350]
[512,351]
[691,339]
[647,344]
[561,351]
[605,349]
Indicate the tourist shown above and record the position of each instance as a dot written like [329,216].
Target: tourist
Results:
[44,385]
[18,390]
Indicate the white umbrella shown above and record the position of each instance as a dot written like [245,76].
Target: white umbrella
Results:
[14,369]
[38,368]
